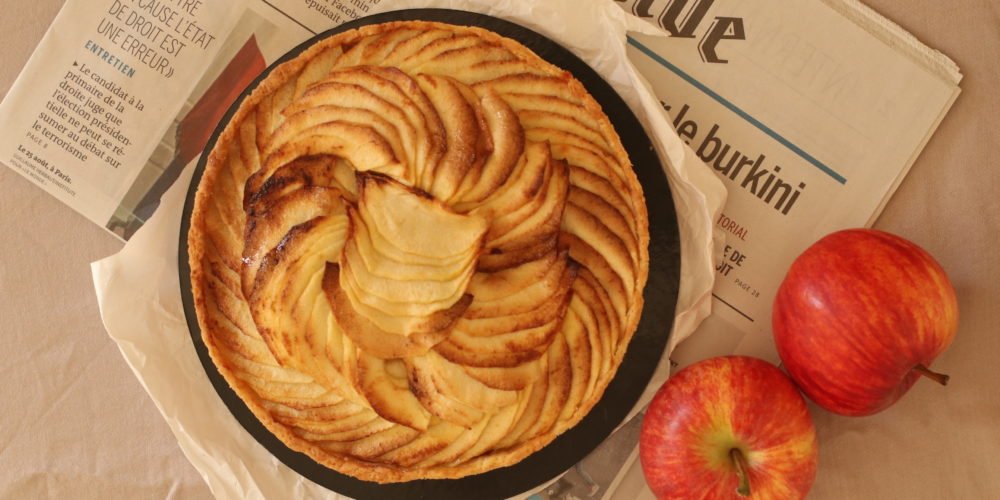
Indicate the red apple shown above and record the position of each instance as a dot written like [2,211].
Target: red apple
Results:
[859,318]
[728,427]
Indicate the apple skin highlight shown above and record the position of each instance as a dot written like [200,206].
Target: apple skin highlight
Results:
[707,410]
[856,316]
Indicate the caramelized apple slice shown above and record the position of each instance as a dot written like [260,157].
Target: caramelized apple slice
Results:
[384,385]
[439,436]
[288,304]
[463,126]
[265,230]
[507,145]
[518,289]
[512,378]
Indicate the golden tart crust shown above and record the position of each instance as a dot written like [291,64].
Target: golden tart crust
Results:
[418,251]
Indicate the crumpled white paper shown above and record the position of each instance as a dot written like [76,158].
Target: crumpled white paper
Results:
[138,289]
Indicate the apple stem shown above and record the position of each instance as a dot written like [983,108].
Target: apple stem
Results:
[935,376]
[740,462]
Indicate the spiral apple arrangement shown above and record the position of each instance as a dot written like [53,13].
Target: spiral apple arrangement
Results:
[858,319]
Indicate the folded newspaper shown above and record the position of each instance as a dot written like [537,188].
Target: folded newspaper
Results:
[809,112]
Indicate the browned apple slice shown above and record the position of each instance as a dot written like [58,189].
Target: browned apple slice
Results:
[288,304]
[432,48]
[264,372]
[601,169]
[507,141]
[379,443]
[556,394]
[518,289]
[425,383]
[457,446]
[439,436]
[244,148]
[575,334]
[539,314]
[447,60]
[613,250]
[511,255]
[316,69]
[354,53]
[511,218]
[454,382]
[392,95]
[384,385]
[487,73]
[407,48]
[523,184]
[531,119]
[403,91]
[463,127]
[535,396]
[563,138]
[361,145]
[335,410]
[350,428]
[527,102]
[269,113]
[511,329]
[530,81]
[296,395]
[594,261]
[543,221]
[306,172]
[595,311]
[376,51]
[505,350]
[231,336]
[265,231]
[498,426]
[512,378]
[610,216]
[400,142]
[526,220]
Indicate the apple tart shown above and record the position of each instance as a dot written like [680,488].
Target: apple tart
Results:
[418,251]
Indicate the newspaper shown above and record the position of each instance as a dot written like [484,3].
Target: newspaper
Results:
[810,112]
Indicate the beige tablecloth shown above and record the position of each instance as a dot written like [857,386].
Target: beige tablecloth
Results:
[103,438]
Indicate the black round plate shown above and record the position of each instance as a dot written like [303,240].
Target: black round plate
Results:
[643,353]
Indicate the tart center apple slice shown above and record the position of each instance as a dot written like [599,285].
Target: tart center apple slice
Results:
[406,264]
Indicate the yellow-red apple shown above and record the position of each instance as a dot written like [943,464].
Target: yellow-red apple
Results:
[728,427]
[859,318]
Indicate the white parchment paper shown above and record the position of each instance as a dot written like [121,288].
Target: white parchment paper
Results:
[138,289]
